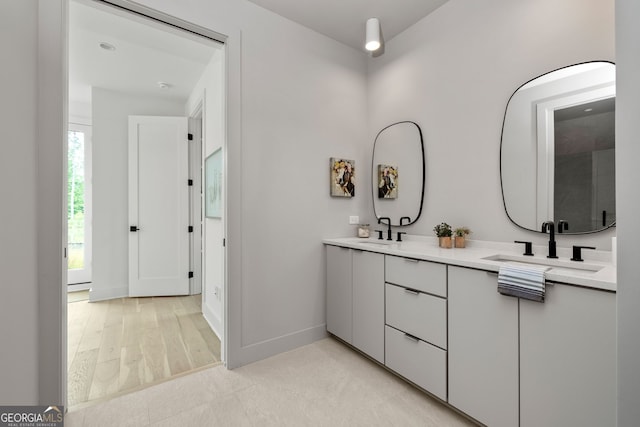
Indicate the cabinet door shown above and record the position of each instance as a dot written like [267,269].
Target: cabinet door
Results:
[368,303]
[568,358]
[339,309]
[483,348]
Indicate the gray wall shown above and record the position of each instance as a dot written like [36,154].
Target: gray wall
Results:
[296,98]
[32,129]
[18,181]
[453,73]
[628,203]
[110,113]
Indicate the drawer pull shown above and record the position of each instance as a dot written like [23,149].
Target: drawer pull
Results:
[411,291]
[411,337]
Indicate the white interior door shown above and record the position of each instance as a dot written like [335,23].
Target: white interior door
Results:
[158,206]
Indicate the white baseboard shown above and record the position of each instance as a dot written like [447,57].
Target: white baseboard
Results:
[79,287]
[109,293]
[212,320]
[262,350]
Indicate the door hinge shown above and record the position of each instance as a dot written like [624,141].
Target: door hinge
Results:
[190,136]
[191,229]
[190,183]
[191,275]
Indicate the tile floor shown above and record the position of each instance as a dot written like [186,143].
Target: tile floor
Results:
[322,384]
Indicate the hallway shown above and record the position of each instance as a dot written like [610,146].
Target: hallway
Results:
[124,344]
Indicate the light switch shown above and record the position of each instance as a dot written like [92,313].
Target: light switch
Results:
[354,219]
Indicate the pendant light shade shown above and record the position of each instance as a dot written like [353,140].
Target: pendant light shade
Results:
[372,41]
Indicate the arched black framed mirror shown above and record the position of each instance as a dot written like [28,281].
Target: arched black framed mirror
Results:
[398,172]
[557,152]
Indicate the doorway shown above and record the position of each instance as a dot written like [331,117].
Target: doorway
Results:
[103,37]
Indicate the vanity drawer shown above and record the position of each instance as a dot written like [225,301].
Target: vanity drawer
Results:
[423,276]
[417,361]
[421,315]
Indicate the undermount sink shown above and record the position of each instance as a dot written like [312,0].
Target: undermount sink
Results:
[555,264]
[377,242]
[368,241]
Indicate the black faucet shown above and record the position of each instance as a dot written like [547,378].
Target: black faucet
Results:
[403,218]
[552,238]
[562,226]
[388,225]
[577,255]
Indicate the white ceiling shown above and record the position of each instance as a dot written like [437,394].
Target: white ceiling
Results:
[146,53]
[344,20]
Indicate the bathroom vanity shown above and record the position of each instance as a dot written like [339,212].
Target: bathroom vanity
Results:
[434,317]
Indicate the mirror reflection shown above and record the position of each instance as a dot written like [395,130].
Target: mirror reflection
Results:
[557,155]
[398,173]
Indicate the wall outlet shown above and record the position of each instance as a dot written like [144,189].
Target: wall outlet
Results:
[354,219]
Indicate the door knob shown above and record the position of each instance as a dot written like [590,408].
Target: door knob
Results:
[133,228]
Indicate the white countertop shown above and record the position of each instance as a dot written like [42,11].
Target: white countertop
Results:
[562,270]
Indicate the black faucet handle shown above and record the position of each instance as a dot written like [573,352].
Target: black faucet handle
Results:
[577,252]
[379,234]
[384,217]
[562,226]
[403,218]
[400,233]
[548,224]
[527,247]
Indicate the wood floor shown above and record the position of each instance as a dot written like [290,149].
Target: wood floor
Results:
[122,344]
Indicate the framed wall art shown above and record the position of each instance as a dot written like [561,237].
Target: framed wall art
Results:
[343,183]
[213,185]
[387,182]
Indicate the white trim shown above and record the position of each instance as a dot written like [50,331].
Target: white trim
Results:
[264,349]
[212,320]
[78,287]
[232,351]
[110,293]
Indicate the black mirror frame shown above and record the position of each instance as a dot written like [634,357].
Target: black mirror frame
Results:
[424,176]
[506,108]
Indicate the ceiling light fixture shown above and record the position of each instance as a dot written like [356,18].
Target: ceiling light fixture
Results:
[107,46]
[372,41]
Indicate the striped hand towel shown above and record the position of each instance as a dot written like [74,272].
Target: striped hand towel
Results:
[522,281]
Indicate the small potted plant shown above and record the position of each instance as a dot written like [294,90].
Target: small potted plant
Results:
[443,231]
[460,236]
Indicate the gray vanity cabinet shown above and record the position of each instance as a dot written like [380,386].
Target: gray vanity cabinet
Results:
[483,348]
[558,358]
[355,299]
[568,358]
